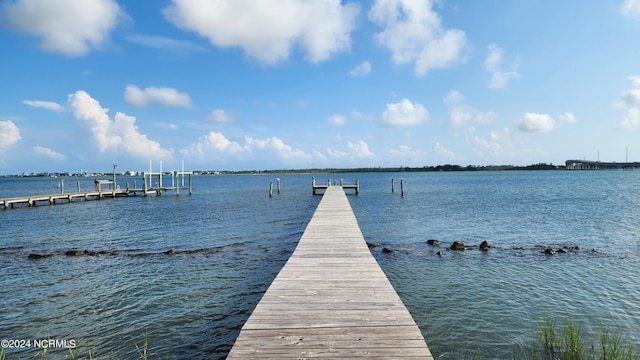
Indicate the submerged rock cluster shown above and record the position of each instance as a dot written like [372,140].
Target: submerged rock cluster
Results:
[131,253]
[484,246]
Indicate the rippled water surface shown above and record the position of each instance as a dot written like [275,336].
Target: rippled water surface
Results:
[229,240]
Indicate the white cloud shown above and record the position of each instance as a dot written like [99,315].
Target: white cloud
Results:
[9,134]
[337,120]
[220,116]
[468,131]
[630,101]
[46,152]
[117,135]
[211,144]
[631,120]
[534,122]
[68,27]
[461,114]
[568,118]
[319,156]
[494,64]
[215,147]
[360,150]
[363,69]
[440,150]
[459,117]
[276,145]
[133,95]
[414,34]
[357,115]
[498,144]
[49,105]
[631,97]
[405,155]
[169,126]
[355,153]
[404,113]
[631,8]
[454,97]
[267,30]
[338,154]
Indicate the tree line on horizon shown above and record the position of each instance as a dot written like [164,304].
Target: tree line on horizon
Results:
[445,167]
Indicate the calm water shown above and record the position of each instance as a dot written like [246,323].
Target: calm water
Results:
[230,240]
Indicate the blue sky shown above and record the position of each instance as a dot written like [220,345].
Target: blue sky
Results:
[283,84]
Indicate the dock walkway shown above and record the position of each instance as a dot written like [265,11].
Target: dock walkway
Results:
[331,299]
[52,199]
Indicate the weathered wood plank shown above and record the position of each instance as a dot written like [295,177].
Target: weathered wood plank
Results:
[331,299]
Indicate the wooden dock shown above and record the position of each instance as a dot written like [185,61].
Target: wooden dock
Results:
[99,193]
[331,299]
[317,187]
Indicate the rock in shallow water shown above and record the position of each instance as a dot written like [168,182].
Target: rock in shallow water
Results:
[484,246]
[457,246]
[74,252]
[371,245]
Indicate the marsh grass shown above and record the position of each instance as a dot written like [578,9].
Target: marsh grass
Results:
[570,343]
[144,351]
[613,345]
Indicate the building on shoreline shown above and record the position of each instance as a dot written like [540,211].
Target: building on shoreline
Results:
[599,165]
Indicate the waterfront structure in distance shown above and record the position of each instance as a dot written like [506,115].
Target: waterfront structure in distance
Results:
[599,165]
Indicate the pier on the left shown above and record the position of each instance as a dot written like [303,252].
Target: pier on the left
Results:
[112,191]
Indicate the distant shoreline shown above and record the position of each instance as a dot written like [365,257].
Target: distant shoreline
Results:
[445,167]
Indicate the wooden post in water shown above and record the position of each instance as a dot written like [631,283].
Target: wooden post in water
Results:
[357,186]
[402,187]
[78,185]
[177,184]
[392,185]
[278,185]
[61,186]
[271,189]
[190,188]
[113,186]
